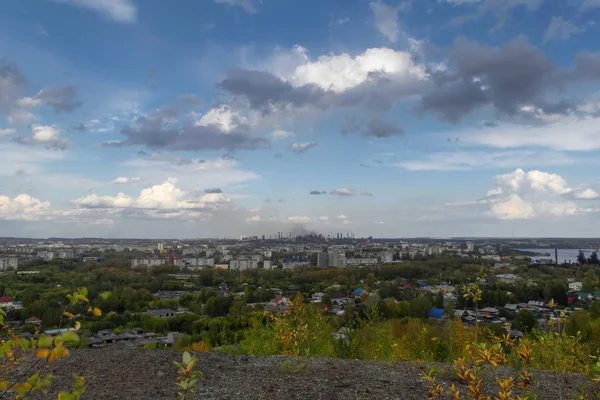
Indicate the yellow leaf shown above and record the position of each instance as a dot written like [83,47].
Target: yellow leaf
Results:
[42,353]
[97,312]
[68,314]
[77,325]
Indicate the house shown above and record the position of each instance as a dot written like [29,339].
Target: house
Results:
[584,296]
[359,292]
[33,321]
[489,311]
[162,313]
[575,286]
[6,302]
[459,313]
[438,313]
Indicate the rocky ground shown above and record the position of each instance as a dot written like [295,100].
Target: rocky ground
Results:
[125,373]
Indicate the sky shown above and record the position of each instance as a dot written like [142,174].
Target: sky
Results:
[214,118]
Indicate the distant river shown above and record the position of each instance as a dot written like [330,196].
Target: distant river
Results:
[564,255]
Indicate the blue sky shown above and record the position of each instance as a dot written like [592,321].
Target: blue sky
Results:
[129,118]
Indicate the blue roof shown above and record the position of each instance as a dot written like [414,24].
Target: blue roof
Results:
[436,312]
[422,284]
[295,259]
[359,291]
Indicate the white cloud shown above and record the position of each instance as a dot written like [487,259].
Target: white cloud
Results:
[7,132]
[224,117]
[532,194]
[165,196]
[191,173]
[586,194]
[302,147]
[386,20]
[343,192]
[323,218]
[514,207]
[103,221]
[123,180]
[378,222]
[341,72]
[472,160]
[46,135]
[281,134]
[117,10]
[23,208]
[299,219]
[342,217]
[571,134]
[535,180]
[254,218]
[20,117]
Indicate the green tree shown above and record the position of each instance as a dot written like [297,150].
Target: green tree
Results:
[420,307]
[525,321]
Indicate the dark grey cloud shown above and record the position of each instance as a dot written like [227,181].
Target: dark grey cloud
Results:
[367,194]
[278,155]
[12,86]
[587,66]
[80,127]
[213,190]
[62,99]
[381,129]
[189,100]
[489,124]
[266,92]
[263,90]
[453,101]
[374,128]
[507,77]
[378,161]
[317,192]
[160,130]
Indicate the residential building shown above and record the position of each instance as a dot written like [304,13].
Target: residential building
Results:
[337,259]
[575,286]
[323,260]
[148,262]
[355,262]
[162,313]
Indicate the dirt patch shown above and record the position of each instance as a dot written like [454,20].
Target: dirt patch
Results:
[126,373]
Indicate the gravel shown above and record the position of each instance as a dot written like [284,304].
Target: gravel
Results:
[129,373]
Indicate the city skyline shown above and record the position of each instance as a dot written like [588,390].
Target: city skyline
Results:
[214,118]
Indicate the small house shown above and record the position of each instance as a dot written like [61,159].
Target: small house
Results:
[438,313]
[162,313]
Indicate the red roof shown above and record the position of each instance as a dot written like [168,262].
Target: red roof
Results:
[406,286]
[32,319]
[279,298]
[5,299]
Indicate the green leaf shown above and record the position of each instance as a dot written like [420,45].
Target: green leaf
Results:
[25,344]
[65,396]
[33,378]
[83,291]
[70,337]
[44,341]
[105,295]
[187,357]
